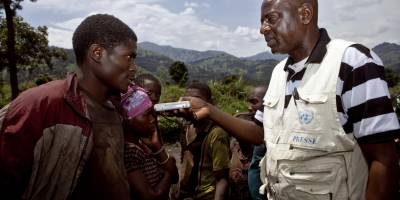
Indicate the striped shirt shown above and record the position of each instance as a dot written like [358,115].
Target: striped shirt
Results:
[137,159]
[362,96]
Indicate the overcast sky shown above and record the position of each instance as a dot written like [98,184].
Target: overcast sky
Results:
[226,25]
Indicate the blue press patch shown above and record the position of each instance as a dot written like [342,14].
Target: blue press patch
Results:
[306,116]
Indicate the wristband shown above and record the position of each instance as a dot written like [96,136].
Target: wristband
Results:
[165,161]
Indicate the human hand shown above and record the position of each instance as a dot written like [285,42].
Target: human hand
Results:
[236,175]
[200,109]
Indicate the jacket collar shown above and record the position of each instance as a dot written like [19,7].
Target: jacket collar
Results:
[318,53]
[73,96]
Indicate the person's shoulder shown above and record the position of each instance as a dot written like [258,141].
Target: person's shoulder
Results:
[217,133]
[357,55]
[41,96]
[51,90]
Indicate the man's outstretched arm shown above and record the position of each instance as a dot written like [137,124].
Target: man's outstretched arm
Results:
[240,128]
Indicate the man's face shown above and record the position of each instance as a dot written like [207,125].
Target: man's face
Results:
[280,25]
[255,99]
[116,66]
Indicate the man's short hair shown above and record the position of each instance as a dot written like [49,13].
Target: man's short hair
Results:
[105,30]
[203,88]
[139,80]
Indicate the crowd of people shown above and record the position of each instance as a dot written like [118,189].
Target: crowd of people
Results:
[324,128]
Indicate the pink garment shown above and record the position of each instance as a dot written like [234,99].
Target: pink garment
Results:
[134,102]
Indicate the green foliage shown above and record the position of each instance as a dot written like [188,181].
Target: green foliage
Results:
[5,95]
[169,128]
[394,91]
[42,79]
[230,94]
[5,91]
[392,78]
[171,93]
[179,72]
[31,46]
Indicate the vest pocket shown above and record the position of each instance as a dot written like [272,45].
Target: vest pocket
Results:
[309,112]
[314,99]
[320,178]
[271,112]
[301,192]
[270,102]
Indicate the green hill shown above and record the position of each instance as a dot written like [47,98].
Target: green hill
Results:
[184,55]
[208,65]
[390,55]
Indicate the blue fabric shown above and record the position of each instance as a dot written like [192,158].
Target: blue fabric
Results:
[254,172]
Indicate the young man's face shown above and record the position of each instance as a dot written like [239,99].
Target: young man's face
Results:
[117,64]
[255,99]
[153,89]
[280,25]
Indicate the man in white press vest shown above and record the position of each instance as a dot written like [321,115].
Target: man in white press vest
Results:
[328,121]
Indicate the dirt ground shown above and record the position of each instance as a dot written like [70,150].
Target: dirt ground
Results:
[174,150]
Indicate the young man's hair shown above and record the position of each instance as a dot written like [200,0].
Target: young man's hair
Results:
[139,80]
[203,88]
[105,30]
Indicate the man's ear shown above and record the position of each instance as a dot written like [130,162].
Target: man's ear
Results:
[306,13]
[95,52]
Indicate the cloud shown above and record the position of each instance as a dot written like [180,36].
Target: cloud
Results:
[177,23]
[191,4]
[59,37]
[354,4]
[361,21]
[152,22]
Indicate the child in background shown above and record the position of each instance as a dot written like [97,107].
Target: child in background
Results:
[151,171]
[151,84]
[205,155]
[241,157]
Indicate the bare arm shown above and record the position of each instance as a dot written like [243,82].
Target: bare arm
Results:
[221,186]
[170,166]
[169,162]
[243,129]
[383,179]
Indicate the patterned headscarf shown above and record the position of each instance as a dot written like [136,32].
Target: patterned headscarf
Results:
[134,102]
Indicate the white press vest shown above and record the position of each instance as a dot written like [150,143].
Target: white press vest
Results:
[309,155]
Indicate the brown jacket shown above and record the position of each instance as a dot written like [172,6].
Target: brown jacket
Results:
[44,141]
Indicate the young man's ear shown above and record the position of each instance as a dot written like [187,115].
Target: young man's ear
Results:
[95,52]
[306,13]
